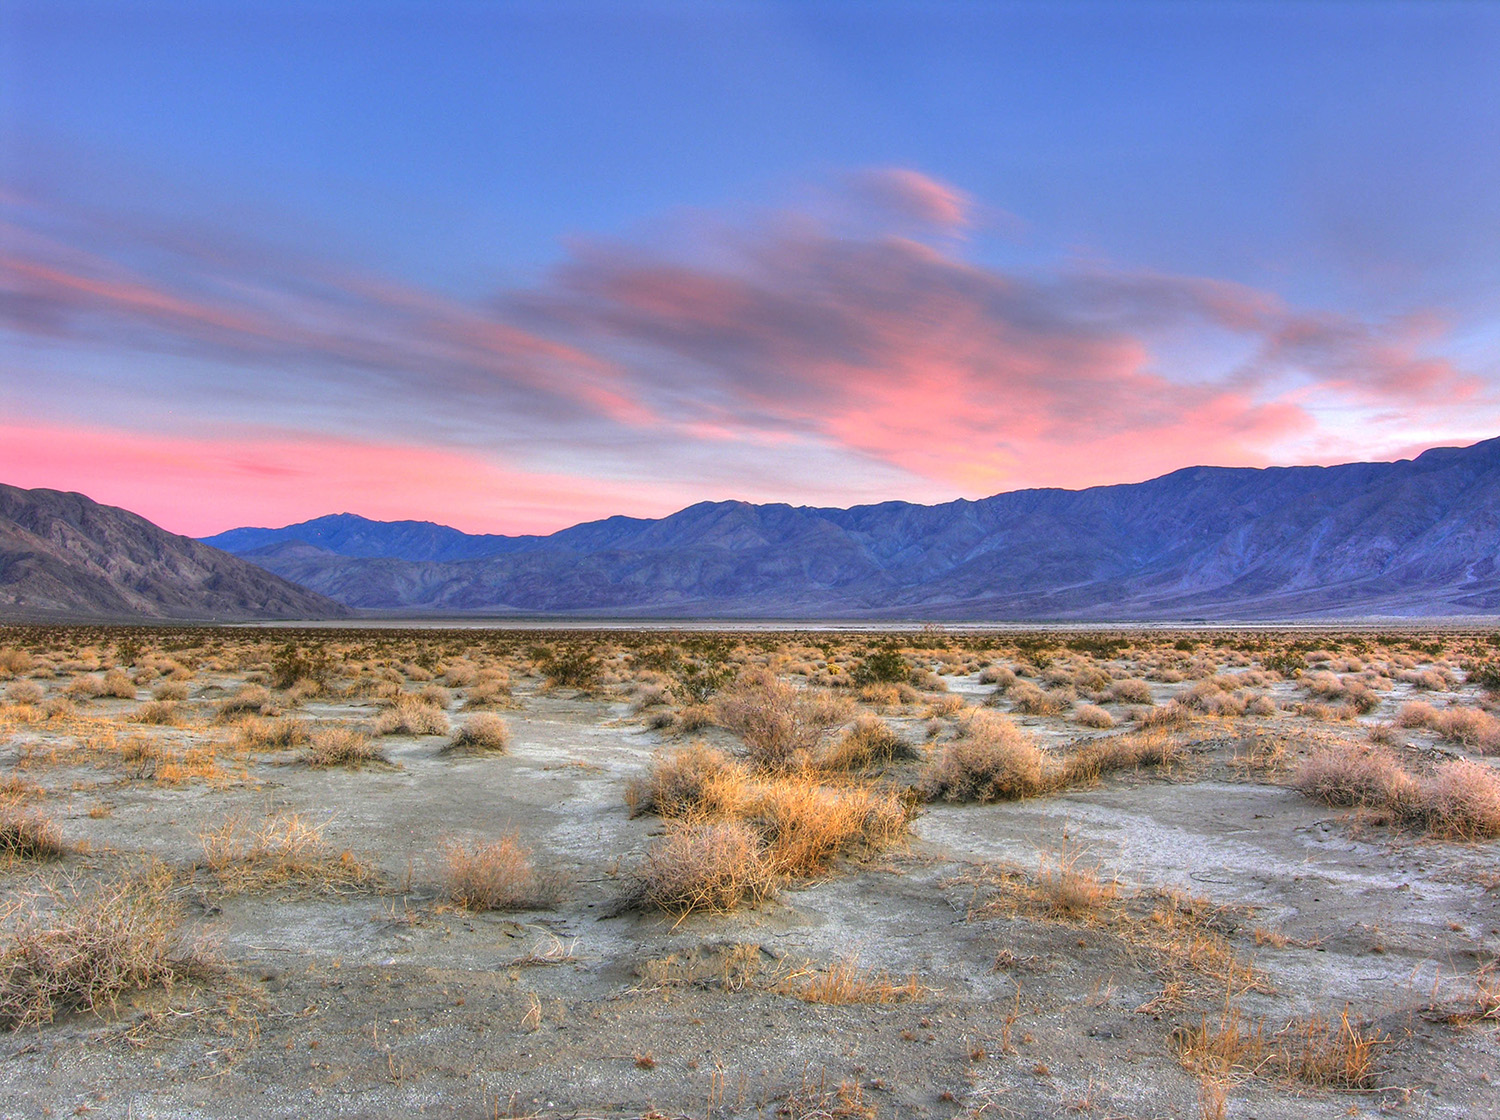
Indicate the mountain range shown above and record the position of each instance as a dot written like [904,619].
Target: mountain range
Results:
[1417,537]
[65,557]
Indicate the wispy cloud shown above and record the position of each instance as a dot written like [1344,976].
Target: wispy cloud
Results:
[777,356]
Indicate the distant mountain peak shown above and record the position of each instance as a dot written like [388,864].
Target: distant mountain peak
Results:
[1414,537]
[65,556]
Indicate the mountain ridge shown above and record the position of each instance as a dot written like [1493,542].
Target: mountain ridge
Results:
[64,556]
[1416,536]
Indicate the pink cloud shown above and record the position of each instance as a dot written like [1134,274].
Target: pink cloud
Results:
[783,360]
[911,196]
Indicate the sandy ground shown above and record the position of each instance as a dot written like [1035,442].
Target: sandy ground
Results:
[393,1003]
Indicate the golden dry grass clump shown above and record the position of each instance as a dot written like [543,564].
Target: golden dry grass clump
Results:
[1459,800]
[282,852]
[1351,774]
[693,780]
[412,715]
[483,733]
[160,713]
[1091,715]
[1030,700]
[780,724]
[805,826]
[1314,1051]
[170,690]
[711,866]
[870,742]
[991,760]
[24,692]
[282,733]
[1473,728]
[14,662]
[248,700]
[496,875]
[342,746]
[27,834]
[797,824]
[84,954]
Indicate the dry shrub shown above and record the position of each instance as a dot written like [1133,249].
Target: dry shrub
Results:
[998,675]
[24,692]
[117,683]
[161,713]
[651,695]
[1429,680]
[1131,692]
[284,851]
[412,715]
[460,674]
[806,826]
[272,734]
[1171,714]
[250,699]
[85,954]
[880,695]
[1117,752]
[482,733]
[1313,1051]
[1354,774]
[705,867]
[695,717]
[436,695]
[14,661]
[844,982]
[1461,801]
[342,746]
[1067,890]
[817,1100]
[26,834]
[991,760]
[498,875]
[780,724]
[1091,715]
[1030,700]
[1469,727]
[170,690]
[493,692]
[694,781]
[870,742]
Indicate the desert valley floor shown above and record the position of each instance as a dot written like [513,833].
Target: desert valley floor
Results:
[503,873]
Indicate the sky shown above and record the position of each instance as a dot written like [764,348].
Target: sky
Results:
[512,266]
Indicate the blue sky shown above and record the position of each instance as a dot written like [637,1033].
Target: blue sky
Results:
[515,265]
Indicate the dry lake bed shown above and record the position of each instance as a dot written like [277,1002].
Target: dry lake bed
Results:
[506,873]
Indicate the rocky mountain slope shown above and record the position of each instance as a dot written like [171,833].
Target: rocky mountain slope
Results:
[63,556]
[1413,538]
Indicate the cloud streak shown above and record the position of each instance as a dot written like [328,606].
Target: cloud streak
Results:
[778,356]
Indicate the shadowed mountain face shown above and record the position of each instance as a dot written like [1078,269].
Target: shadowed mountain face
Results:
[1412,538]
[63,556]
